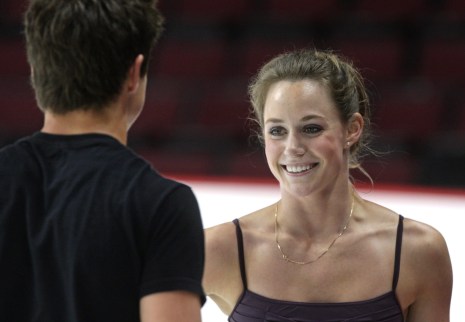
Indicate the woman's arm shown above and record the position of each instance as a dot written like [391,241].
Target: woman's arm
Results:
[221,280]
[176,306]
[430,265]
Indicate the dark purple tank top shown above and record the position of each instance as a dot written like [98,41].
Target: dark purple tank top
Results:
[252,307]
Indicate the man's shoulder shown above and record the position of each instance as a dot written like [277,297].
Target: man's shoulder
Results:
[13,154]
[143,178]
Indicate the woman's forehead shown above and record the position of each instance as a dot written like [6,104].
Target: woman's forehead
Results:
[299,97]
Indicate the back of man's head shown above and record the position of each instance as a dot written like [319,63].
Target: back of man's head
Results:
[81,50]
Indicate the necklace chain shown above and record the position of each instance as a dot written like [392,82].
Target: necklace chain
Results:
[286,258]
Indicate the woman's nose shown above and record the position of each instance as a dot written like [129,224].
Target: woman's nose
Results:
[294,145]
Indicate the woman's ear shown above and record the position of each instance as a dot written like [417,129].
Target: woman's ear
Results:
[354,128]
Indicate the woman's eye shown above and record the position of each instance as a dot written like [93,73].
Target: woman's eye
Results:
[276,131]
[312,129]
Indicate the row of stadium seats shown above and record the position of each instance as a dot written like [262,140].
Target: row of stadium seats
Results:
[195,120]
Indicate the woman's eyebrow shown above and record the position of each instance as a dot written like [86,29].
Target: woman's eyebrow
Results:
[303,119]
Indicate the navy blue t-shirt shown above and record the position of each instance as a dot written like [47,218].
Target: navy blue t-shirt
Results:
[87,228]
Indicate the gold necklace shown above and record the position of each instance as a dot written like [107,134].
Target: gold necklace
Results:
[286,258]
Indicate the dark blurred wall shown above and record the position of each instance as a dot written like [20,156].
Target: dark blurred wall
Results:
[411,52]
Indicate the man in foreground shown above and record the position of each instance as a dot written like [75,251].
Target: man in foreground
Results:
[89,231]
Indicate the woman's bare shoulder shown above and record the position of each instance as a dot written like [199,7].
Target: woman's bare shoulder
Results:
[221,263]
[424,241]
[222,278]
[222,239]
[417,235]
[426,272]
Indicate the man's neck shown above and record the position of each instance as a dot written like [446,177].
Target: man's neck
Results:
[110,121]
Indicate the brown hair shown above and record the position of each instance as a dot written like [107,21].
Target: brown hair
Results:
[81,50]
[344,82]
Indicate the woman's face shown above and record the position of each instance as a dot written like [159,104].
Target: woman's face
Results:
[305,140]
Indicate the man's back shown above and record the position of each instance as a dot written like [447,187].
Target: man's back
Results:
[87,228]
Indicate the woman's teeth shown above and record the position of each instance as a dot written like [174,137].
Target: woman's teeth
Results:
[298,169]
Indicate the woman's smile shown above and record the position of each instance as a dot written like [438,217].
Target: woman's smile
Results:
[299,169]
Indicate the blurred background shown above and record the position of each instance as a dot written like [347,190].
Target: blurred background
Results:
[411,52]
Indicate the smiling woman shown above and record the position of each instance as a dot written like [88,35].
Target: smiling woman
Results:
[343,82]
[304,136]
[325,253]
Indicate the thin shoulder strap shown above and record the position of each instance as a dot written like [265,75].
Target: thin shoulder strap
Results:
[240,248]
[400,230]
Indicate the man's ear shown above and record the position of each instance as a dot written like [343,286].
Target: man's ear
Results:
[134,74]
[354,128]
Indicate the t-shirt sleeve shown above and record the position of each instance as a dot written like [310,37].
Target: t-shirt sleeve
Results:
[175,253]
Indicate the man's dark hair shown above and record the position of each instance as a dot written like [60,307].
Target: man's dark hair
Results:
[80,51]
